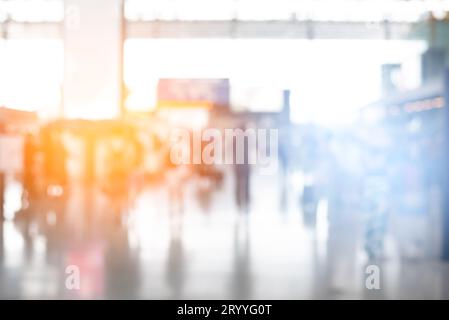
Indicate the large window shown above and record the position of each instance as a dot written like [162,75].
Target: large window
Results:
[31,75]
[329,79]
[31,68]
[32,10]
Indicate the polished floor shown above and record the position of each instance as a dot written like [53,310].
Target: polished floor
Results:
[207,252]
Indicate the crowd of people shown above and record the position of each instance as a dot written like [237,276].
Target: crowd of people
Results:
[357,173]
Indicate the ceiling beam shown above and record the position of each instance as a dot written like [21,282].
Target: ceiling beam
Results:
[267,29]
[226,29]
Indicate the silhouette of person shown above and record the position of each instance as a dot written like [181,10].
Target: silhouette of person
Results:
[175,266]
[242,177]
[2,195]
[2,185]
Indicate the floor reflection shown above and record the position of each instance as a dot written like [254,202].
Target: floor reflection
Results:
[210,250]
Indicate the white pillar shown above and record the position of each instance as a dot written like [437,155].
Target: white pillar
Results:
[92,64]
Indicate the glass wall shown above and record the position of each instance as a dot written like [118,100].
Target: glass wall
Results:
[31,68]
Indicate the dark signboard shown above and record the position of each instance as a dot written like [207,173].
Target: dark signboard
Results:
[180,93]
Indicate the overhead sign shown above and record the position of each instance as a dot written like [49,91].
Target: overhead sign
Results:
[11,153]
[193,93]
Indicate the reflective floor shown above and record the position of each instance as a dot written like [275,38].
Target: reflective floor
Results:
[207,252]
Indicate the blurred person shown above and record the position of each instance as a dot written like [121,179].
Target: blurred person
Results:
[33,203]
[121,180]
[413,212]
[207,170]
[55,157]
[29,166]
[284,155]
[55,173]
[242,187]
[2,184]
[30,177]
[176,176]
[310,204]
[376,192]
[209,179]
[2,195]
[116,181]
[242,172]
[342,194]
[313,165]
[135,150]
[178,167]
[204,192]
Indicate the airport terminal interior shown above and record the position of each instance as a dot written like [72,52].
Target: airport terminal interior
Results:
[227,149]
